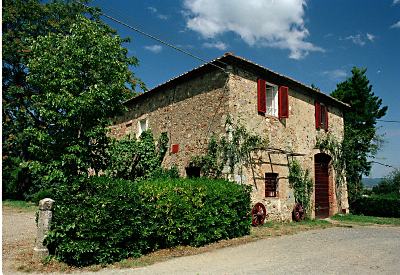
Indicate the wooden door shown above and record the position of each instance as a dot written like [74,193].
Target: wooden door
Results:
[322,185]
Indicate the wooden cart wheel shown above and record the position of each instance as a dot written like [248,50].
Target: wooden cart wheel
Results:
[258,214]
[298,212]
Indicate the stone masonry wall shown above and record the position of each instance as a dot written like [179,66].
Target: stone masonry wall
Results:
[189,112]
[296,133]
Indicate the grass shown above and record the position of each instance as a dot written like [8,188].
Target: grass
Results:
[366,220]
[269,230]
[19,205]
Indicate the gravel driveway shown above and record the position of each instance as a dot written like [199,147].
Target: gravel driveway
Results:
[359,250]
[18,230]
[338,250]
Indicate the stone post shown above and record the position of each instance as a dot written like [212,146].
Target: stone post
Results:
[43,227]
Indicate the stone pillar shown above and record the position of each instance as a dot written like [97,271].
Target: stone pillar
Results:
[43,227]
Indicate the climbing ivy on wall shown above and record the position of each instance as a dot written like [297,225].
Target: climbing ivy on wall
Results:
[301,182]
[330,145]
[234,150]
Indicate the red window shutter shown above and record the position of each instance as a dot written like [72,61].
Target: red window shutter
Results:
[174,148]
[326,118]
[283,102]
[261,96]
[317,114]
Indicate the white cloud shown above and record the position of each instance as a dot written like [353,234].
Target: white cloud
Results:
[356,39]
[396,2]
[262,23]
[217,45]
[154,48]
[395,25]
[335,74]
[371,37]
[153,10]
[360,39]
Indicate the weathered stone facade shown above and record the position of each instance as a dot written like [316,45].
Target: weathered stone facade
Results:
[192,107]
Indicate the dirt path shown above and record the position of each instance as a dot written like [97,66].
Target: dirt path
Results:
[18,236]
[338,250]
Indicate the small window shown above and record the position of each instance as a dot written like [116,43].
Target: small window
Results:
[143,126]
[272,100]
[321,116]
[271,180]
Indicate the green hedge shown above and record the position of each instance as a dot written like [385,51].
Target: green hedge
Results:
[377,205]
[103,220]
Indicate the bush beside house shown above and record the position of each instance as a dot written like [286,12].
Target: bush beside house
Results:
[102,220]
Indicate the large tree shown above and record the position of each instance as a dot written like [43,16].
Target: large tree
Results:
[361,140]
[64,75]
[24,20]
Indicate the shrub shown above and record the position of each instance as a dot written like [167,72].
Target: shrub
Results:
[377,205]
[389,185]
[102,220]
[38,196]
[137,159]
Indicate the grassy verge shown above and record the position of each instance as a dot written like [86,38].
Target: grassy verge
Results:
[366,220]
[269,230]
[19,205]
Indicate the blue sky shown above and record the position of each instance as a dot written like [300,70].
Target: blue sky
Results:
[311,41]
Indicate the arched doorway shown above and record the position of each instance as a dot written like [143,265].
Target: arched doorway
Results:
[322,179]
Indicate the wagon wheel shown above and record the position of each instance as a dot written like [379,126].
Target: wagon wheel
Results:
[258,214]
[298,212]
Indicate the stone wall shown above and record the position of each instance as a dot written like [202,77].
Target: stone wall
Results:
[195,109]
[296,134]
[190,113]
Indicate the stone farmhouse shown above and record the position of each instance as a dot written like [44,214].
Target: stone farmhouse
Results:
[194,106]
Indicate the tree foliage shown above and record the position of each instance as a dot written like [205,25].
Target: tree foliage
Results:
[64,76]
[390,185]
[24,20]
[136,159]
[361,141]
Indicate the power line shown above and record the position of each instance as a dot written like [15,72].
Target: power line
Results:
[156,38]
[383,164]
[393,121]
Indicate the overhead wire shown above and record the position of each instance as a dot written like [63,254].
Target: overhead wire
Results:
[157,39]
[153,37]
[392,121]
[383,164]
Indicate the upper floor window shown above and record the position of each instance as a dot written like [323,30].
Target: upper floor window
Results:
[321,116]
[272,100]
[143,125]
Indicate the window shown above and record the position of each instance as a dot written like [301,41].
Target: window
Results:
[143,125]
[321,116]
[271,180]
[272,100]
